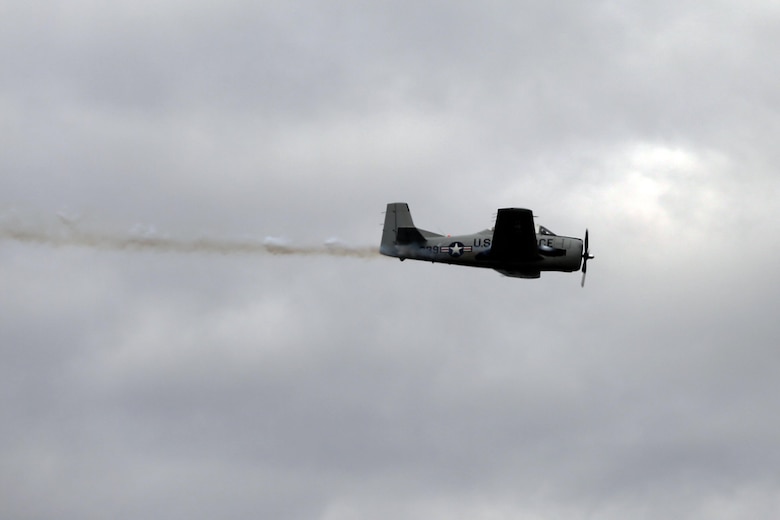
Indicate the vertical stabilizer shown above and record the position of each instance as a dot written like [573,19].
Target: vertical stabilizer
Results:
[399,228]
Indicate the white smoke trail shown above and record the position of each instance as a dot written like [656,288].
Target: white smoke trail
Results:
[72,235]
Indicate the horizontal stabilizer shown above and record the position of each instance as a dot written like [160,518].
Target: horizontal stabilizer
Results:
[409,235]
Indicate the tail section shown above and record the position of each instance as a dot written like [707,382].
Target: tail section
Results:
[399,229]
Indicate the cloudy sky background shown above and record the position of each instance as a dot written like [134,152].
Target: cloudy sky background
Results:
[155,384]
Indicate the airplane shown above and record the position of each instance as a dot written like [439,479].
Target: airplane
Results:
[514,247]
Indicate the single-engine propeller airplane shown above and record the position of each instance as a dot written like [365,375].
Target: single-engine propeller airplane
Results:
[514,247]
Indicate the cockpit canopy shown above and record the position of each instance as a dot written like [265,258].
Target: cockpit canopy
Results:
[544,231]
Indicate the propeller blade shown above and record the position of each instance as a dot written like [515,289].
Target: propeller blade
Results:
[587,249]
[585,257]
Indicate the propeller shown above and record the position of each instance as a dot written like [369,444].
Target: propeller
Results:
[585,257]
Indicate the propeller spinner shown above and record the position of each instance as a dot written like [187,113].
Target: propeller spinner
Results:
[585,257]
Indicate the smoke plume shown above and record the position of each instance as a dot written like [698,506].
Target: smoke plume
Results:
[69,234]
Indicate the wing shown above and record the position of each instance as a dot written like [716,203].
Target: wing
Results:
[514,237]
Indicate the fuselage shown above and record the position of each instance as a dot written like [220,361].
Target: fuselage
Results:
[556,253]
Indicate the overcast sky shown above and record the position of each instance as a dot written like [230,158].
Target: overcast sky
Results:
[140,384]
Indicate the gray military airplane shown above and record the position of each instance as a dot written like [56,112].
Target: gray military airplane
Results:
[514,247]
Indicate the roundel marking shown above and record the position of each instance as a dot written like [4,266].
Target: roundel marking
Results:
[456,249]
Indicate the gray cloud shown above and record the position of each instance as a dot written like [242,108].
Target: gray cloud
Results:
[199,385]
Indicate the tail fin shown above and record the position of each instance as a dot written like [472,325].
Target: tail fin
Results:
[399,228]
